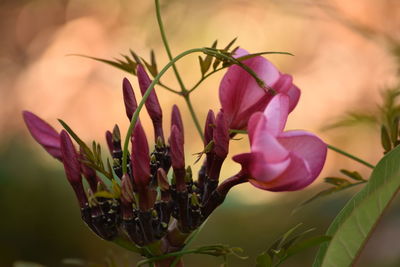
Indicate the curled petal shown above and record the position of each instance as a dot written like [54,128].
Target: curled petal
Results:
[267,144]
[297,173]
[285,85]
[308,147]
[43,133]
[276,114]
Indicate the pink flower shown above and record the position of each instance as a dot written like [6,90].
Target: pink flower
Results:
[241,96]
[281,161]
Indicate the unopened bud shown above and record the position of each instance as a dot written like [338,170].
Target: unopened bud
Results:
[44,134]
[72,167]
[129,98]
[152,105]
[221,136]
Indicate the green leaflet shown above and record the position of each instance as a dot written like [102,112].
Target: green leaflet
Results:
[355,222]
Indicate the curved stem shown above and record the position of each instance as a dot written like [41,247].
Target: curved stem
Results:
[145,96]
[344,153]
[184,92]
[166,45]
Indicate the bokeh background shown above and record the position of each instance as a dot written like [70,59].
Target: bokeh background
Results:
[344,57]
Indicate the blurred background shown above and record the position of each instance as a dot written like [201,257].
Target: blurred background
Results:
[345,55]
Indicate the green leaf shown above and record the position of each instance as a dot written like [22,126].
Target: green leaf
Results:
[263,260]
[306,244]
[339,182]
[230,44]
[354,224]
[82,144]
[353,175]
[128,66]
[352,119]
[262,53]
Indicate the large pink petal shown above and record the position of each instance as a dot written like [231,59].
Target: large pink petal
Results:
[276,114]
[306,146]
[264,171]
[238,89]
[255,164]
[254,121]
[267,144]
[296,173]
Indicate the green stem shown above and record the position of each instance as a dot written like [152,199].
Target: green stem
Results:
[184,91]
[145,96]
[166,45]
[344,153]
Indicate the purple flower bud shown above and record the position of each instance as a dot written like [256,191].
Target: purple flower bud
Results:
[209,127]
[162,179]
[163,184]
[89,173]
[176,148]
[152,105]
[109,139]
[221,136]
[176,119]
[72,167]
[127,197]
[140,157]
[177,158]
[43,133]
[129,98]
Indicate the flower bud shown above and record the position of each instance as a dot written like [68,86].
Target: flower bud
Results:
[109,139]
[176,148]
[152,105]
[221,136]
[209,127]
[140,156]
[43,133]
[129,98]
[88,173]
[176,119]
[72,167]
[127,197]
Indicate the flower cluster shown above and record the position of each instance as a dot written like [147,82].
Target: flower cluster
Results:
[142,205]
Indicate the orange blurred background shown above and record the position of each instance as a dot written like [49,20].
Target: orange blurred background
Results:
[343,59]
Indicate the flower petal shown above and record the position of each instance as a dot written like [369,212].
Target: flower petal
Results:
[306,146]
[285,85]
[295,176]
[239,90]
[276,114]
